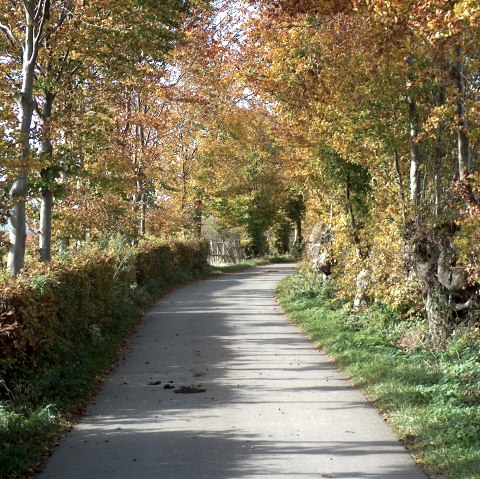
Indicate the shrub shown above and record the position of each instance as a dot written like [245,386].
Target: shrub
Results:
[51,311]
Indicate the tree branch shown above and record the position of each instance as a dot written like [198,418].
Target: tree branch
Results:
[10,36]
[38,9]
[28,7]
[45,7]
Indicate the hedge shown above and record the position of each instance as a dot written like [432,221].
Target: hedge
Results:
[50,312]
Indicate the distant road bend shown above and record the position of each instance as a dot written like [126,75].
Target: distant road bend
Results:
[218,384]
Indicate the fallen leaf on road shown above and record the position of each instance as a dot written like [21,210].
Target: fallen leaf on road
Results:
[189,390]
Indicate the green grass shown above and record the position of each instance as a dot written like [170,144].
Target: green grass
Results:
[431,399]
[250,263]
[231,268]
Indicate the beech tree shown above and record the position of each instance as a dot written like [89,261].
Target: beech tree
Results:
[47,52]
[26,25]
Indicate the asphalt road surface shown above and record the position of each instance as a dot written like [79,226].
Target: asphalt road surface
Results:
[248,397]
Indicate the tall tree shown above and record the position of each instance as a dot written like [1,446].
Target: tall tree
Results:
[128,39]
[26,25]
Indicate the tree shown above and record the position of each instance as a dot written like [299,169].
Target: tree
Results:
[383,87]
[130,32]
[29,24]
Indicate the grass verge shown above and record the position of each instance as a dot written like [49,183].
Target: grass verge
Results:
[430,398]
[251,263]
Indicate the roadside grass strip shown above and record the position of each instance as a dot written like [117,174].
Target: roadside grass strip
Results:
[431,399]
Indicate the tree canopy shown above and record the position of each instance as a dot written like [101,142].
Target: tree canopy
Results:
[361,118]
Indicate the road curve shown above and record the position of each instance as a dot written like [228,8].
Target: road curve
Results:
[268,403]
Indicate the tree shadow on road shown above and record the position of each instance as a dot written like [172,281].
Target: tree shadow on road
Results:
[236,344]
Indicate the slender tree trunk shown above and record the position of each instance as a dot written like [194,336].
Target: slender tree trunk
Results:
[415,159]
[139,203]
[139,206]
[143,214]
[401,194]
[64,244]
[184,178]
[19,190]
[141,174]
[46,207]
[414,154]
[438,182]
[298,234]
[197,218]
[439,156]
[351,215]
[46,210]
[463,139]
[362,282]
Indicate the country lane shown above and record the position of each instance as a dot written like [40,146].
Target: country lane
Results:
[218,384]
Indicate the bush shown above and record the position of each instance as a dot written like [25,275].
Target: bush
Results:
[51,311]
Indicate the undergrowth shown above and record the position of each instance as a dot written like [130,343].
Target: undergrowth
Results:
[430,398]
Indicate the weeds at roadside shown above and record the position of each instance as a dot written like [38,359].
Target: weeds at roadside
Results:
[250,263]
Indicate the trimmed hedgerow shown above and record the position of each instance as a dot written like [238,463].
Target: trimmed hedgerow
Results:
[47,313]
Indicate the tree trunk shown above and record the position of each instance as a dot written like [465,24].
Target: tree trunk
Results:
[363,278]
[46,208]
[351,215]
[141,176]
[438,314]
[463,140]
[143,214]
[362,284]
[414,154]
[439,155]
[432,256]
[415,158]
[401,194]
[297,244]
[197,218]
[139,200]
[64,244]
[17,224]
[19,190]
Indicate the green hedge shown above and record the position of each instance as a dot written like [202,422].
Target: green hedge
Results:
[50,312]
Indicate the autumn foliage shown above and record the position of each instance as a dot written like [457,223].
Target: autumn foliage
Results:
[50,313]
[383,99]
[360,117]
[131,129]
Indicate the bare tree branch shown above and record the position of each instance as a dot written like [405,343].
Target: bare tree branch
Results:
[43,19]
[28,5]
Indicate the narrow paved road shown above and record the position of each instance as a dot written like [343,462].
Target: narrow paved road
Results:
[273,405]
